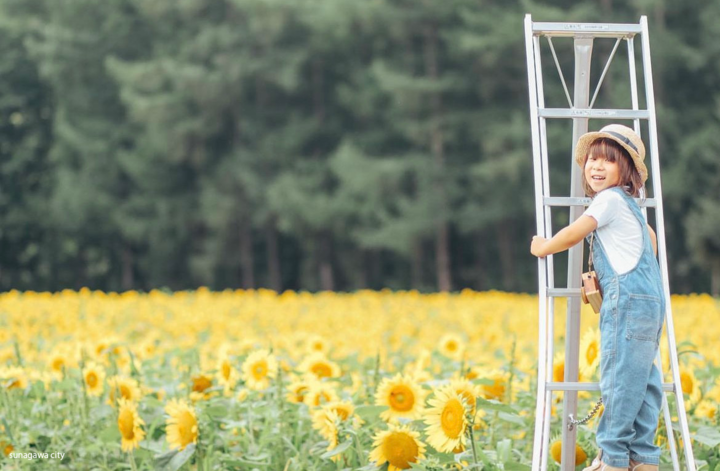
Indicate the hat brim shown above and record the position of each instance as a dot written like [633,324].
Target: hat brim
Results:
[586,140]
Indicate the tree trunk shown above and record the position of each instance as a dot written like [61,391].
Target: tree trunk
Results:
[247,259]
[273,254]
[437,146]
[325,268]
[715,279]
[128,279]
[365,266]
[416,268]
[505,252]
[480,264]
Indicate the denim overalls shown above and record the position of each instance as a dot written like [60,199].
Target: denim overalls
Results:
[631,321]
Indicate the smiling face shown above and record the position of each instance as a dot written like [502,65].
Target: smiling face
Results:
[607,165]
[601,173]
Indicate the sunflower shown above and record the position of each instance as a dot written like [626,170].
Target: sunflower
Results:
[590,351]
[556,451]
[329,430]
[467,391]
[318,365]
[13,377]
[331,414]
[58,362]
[129,423]
[690,386]
[6,448]
[498,388]
[320,393]
[123,387]
[181,426]
[447,420]
[297,390]
[317,344]
[200,383]
[558,374]
[399,447]
[200,387]
[451,346]
[325,421]
[706,409]
[94,377]
[402,395]
[227,375]
[258,369]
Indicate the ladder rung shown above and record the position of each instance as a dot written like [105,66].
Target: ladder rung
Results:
[604,30]
[586,386]
[566,201]
[576,201]
[563,292]
[592,113]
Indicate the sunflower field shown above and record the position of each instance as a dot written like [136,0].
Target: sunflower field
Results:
[256,380]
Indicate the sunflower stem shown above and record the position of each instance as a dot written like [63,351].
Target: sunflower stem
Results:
[472,443]
[131,457]
[86,407]
[18,356]
[376,373]
[511,369]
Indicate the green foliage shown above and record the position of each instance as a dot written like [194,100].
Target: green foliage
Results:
[314,144]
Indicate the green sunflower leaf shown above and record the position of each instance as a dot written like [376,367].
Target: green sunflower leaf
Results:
[369,413]
[337,450]
[707,436]
[174,459]
[485,404]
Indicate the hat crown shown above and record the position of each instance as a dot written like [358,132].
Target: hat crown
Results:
[631,137]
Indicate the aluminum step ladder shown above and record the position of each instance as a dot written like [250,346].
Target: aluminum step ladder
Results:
[580,110]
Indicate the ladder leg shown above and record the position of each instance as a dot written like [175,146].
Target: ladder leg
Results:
[662,251]
[534,74]
[668,420]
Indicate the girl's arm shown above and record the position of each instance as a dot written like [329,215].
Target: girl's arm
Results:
[565,238]
[653,239]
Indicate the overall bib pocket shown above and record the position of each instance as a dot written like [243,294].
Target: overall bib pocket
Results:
[644,317]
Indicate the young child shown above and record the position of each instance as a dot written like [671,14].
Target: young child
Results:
[633,304]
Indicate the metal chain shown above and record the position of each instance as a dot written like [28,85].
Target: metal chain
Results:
[572,422]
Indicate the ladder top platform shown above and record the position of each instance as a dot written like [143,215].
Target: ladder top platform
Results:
[595,30]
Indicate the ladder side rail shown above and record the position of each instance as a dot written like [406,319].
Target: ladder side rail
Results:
[633,81]
[531,46]
[549,267]
[662,250]
[667,417]
[549,342]
[634,98]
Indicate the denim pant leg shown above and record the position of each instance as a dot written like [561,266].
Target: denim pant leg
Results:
[626,366]
[643,448]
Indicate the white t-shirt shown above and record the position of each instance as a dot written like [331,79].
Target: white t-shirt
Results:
[618,230]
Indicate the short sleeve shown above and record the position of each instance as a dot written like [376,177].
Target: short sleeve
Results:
[604,207]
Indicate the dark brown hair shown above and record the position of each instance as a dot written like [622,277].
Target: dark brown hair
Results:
[630,179]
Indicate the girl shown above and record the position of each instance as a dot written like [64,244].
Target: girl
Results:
[633,307]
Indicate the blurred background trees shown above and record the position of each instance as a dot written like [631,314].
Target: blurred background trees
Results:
[312,144]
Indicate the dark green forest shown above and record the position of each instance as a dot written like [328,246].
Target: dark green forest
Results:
[313,144]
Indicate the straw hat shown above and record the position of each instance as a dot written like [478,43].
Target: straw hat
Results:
[624,136]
